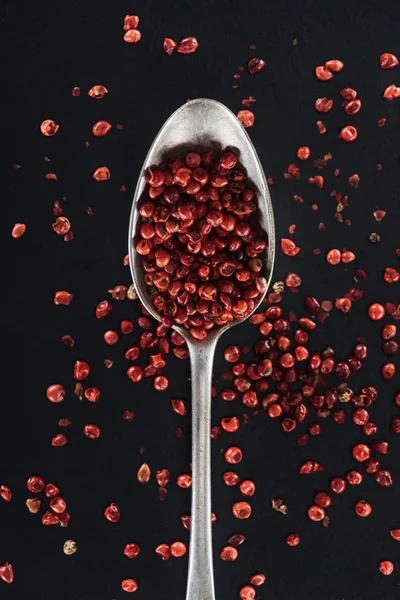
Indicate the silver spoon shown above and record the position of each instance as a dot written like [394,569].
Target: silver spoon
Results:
[198,126]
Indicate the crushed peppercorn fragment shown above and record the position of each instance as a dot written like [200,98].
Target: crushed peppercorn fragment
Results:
[7,572]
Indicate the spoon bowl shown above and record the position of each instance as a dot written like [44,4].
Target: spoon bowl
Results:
[199,126]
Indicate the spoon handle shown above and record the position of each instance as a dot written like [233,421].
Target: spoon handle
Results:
[200,584]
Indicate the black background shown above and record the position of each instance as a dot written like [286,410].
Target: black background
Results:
[48,50]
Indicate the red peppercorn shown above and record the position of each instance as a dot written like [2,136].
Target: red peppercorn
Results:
[334,256]
[348,133]
[228,395]
[274,410]
[288,425]
[241,384]
[303,153]
[132,37]
[101,128]
[247,592]
[179,406]
[102,173]
[376,312]
[188,45]
[232,354]
[62,298]
[111,337]
[35,484]
[293,539]
[361,452]
[64,519]
[92,394]
[360,351]
[390,348]
[334,65]
[327,365]
[164,551]
[7,572]
[369,428]
[287,360]
[230,424]
[247,487]
[18,230]
[241,510]
[169,45]
[97,91]
[395,533]
[162,477]
[391,275]
[360,416]
[386,567]
[388,371]
[323,499]
[184,481]
[178,549]
[383,478]
[395,425]
[352,107]
[288,247]
[255,65]
[348,257]
[370,392]
[56,393]
[323,73]
[160,383]
[348,94]
[388,61]
[337,485]
[363,509]
[81,370]
[233,455]
[258,579]
[229,553]
[381,447]
[103,309]
[131,550]
[112,513]
[246,117]
[354,478]
[316,513]
[50,518]
[129,585]
[91,431]
[311,304]
[314,429]
[339,416]
[49,128]
[323,105]
[250,399]
[342,370]
[231,479]
[371,465]
[135,373]
[57,504]
[61,226]
[309,467]
[236,540]
[5,493]
[59,440]
[343,304]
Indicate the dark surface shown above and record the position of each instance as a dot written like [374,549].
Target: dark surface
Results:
[49,50]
